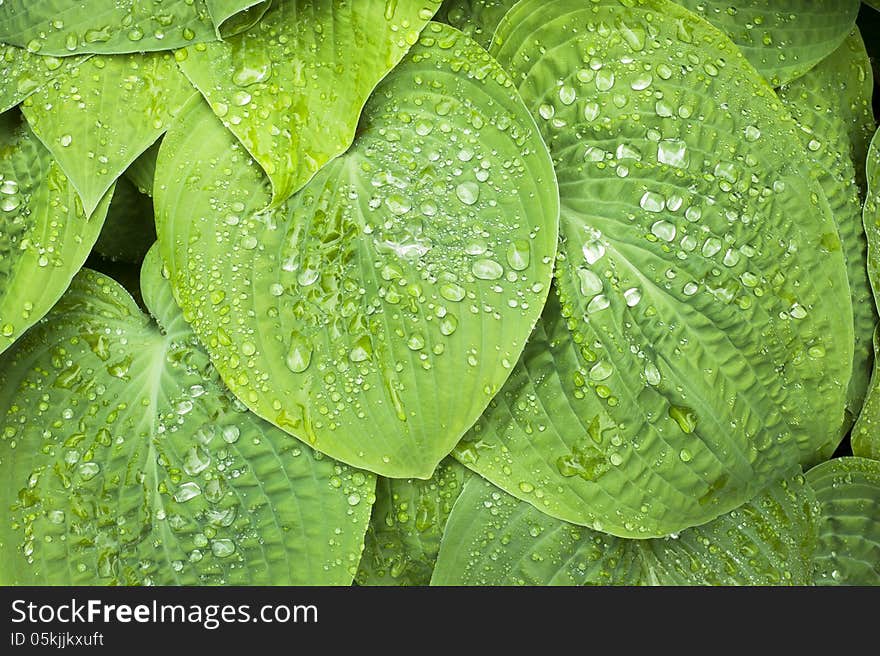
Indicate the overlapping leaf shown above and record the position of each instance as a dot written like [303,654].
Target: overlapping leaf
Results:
[783,39]
[493,538]
[292,87]
[375,313]
[64,27]
[832,106]
[22,73]
[125,461]
[409,518]
[476,18]
[45,236]
[704,338]
[98,116]
[848,552]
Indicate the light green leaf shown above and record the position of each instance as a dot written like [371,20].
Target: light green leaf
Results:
[376,312]
[476,18]
[97,117]
[832,106]
[65,27]
[704,341]
[129,230]
[494,539]
[408,520]
[233,16]
[143,169]
[22,73]
[292,88]
[783,39]
[44,234]
[848,490]
[123,460]
[865,437]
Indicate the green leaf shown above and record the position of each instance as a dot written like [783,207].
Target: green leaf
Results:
[494,539]
[375,313]
[142,171]
[783,39]
[22,73]
[476,18]
[233,16]
[848,490]
[408,520]
[832,106]
[704,339]
[865,437]
[44,234]
[129,230]
[97,117]
[123,460]
[65,27]
[292,88]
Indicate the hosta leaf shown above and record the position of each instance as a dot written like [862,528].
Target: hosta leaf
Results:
[376,312]
[292,87]
[783,39]
[848,490]
[22,73]
[44,234]
[143,170]
[129,230]
[408,520]
[705,338]
[233,16]
[832,106]
[476,18]
[64,27]
[125,461]
[493,538]
[97,117]
[865,436]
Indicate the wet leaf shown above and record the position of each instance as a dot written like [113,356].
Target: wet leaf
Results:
[375,313]
[493,538]
[97,117]
[123,460]
[783,39]
[22,73]
[832,106]
[476,18]
[848,490]
[292,88]
[703,341]
[45,236]
[65,27]
[408,520]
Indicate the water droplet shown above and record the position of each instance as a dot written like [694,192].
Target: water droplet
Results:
[652,202]
[230,434]
[468,192]
[663,230]
[187,491]
[452,292]
[590,283]
[673,152]
[223,548]
[299,355]
[604,79]
[486,269]
[632,296]
[685,417]
[518,255]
